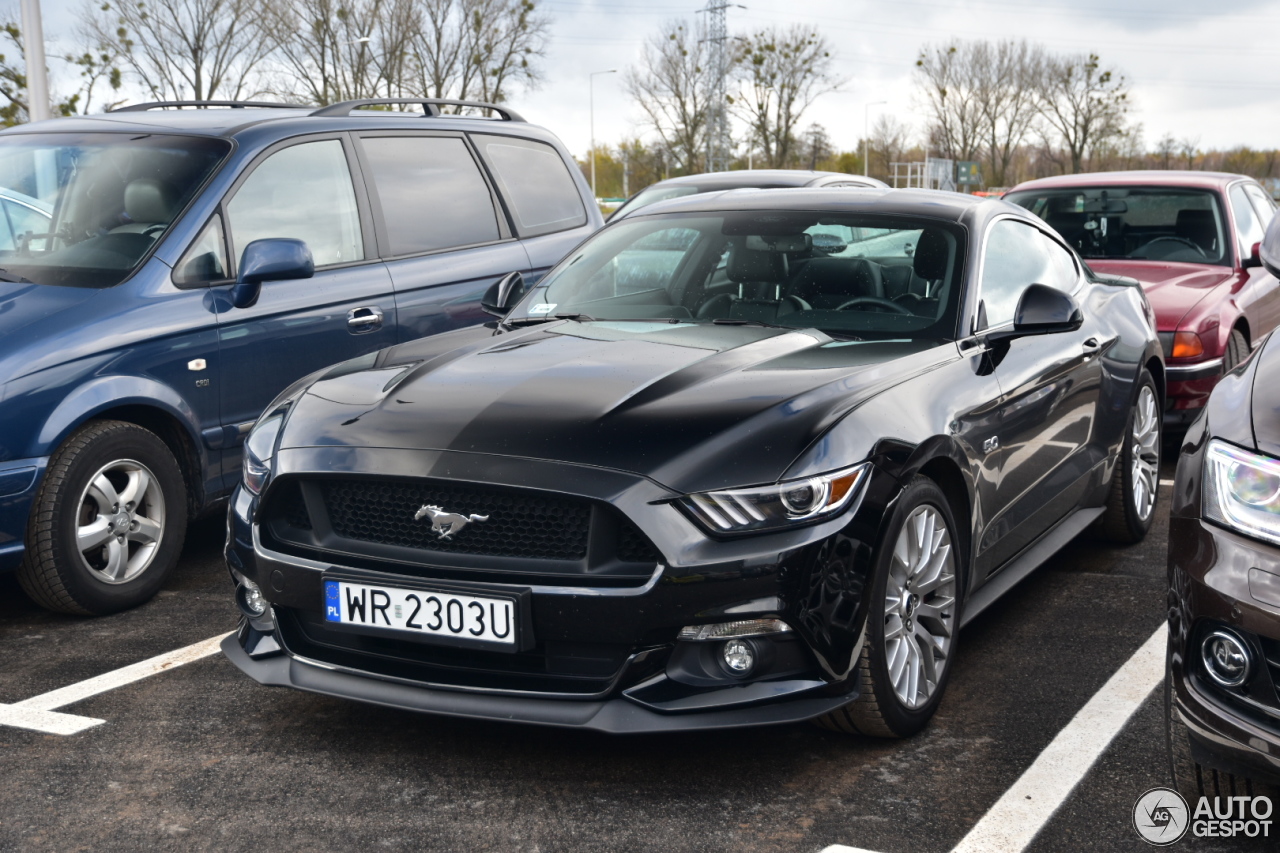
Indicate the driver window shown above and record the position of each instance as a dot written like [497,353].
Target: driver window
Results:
[1013,258]
[303,192]
[1247,224]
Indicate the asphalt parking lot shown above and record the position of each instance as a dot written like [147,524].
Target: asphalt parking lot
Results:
[201,758]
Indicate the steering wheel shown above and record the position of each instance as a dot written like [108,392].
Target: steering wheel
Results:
[887,305]
[1168,239]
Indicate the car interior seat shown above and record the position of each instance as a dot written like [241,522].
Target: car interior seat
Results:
[760,266]
[149,205]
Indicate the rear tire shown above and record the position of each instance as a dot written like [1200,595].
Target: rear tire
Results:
[1131,503]
[912,621]
[108,522]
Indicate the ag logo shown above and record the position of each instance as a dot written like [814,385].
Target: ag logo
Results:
[1161,816]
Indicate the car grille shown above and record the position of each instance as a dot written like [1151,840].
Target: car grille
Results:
[370,521]
[529,525]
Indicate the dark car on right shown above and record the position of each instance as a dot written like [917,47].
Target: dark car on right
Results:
[1223,683]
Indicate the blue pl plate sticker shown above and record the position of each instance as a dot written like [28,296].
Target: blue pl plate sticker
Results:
[332,602]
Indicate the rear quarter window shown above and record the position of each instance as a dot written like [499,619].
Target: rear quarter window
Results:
[536,183]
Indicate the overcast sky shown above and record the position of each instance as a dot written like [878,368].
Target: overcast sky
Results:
[1197,69]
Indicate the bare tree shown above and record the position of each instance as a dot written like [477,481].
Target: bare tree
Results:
[1009,85]
[889,138]
[506,38]
[1165,149]
[670,87]
[1084,104]
[185,49]
[336,50]
[815,146]
[949,94]
[1187,149]
[97,66]
[780,72]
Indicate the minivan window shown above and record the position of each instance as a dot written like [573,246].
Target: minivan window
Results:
[206,260]
[431,193]
[536,183]
[302,192]
[96,203]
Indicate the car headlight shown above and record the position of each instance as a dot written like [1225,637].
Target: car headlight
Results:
[779,505]
[259,448]
[1242,490]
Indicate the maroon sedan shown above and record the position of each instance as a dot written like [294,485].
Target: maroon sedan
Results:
[1191,239]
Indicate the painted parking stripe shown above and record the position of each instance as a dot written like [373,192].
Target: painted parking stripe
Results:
[1022,812]
[37,713]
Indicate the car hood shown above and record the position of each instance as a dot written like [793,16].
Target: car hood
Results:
[691,407]
[1173,289]
[1265,403]
[23,304]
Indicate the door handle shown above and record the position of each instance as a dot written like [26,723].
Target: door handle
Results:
[364,319]
[1090,346]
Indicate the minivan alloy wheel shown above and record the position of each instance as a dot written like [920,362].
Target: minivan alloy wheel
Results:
[121,521]
[1146,452]
[919,606]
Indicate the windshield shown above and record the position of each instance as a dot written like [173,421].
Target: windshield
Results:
[84,209]
[858,276]
[647,197]
[1137,223]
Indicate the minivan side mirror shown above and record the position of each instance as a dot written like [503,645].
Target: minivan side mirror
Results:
[274,259]
[1042,310]
[503,295]
[1269,248]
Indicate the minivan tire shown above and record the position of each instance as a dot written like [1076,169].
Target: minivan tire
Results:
[88,556]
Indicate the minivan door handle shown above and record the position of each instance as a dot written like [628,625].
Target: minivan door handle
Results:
[367,319]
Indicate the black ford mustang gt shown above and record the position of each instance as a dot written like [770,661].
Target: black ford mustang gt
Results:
[738,459]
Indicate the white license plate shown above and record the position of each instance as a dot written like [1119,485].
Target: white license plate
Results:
[449,615]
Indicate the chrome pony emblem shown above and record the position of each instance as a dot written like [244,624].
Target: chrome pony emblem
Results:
[446,523]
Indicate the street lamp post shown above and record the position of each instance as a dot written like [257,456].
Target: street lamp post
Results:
[866,135]
[591,88]
[33,54]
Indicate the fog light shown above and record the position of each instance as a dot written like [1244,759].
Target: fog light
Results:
[739,657]
[1226,658]
[250,598]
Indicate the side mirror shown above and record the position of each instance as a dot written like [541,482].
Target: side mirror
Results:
[1269,248]
[1255,257]
[1042,310]
[503,294]
[275,259]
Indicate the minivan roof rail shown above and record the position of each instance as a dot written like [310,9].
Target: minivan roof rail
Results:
[159,105]
[430,106]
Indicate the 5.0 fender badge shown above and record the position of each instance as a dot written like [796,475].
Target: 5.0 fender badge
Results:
[446,523]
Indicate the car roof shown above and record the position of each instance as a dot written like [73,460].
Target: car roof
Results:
[746,178]
[1136,177]
[935,204]
[230,122]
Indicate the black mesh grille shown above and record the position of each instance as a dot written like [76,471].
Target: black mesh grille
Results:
[517,523]
[633,547]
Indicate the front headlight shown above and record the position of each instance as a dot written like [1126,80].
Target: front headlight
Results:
[1242,490]
[259,448]
[779,505]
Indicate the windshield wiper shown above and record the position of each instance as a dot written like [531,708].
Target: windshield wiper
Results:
[742,321]
[531,321]
[14,278]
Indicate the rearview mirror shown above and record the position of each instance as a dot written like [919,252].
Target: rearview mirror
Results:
[274,259]
[1042,310]
[503,294]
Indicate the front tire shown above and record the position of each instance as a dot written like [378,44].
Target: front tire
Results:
[1131,503]
[913,619]
[108,523]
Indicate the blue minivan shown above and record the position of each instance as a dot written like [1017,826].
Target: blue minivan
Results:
[166,272]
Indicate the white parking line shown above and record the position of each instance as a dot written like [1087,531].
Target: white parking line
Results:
[37,713]
[1022,812]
